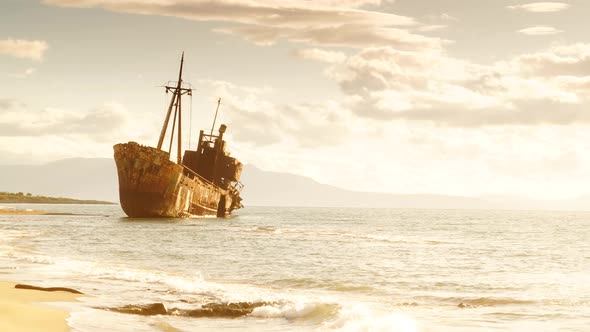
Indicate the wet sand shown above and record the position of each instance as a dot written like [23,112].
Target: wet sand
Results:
[22,309]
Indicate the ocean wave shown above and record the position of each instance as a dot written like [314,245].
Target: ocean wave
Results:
[308,311]
[180,287]
[266,229]
[487,301]
[396,239]
[15,244]
[312,311]
[360,318]
[12,234]
[83,269]
[370,237]
[30,258]
[333,285]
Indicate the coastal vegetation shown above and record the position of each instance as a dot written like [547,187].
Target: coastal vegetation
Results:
[20,197]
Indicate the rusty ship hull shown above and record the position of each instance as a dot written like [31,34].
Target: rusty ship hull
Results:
[203,181]
[150,185]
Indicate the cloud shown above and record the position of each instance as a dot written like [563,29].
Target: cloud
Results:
[435,27]
[541,7]
[277,13]
[9,103]
[436,22]
[28,133]
[321,55]
[24,49]
[29,71]
[572,60]
[265,22]
[345,35]
[100,123]
[254,120]
[527,114]
[540,31]
[26,73]
[351,3]
[447,17]
[386,84]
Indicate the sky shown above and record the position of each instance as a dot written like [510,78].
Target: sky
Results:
[453,97]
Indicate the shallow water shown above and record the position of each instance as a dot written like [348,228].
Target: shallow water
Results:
[321,269]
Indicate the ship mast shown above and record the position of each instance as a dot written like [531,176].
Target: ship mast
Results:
[215,118]
[176,103]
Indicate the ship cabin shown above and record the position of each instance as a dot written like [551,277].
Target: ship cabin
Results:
[212,162]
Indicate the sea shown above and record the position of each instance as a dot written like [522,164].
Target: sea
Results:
[310,269]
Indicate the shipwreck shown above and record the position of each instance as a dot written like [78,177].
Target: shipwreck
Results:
[201,182]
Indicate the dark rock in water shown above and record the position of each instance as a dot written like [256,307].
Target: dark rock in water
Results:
[230,310]
[48,289]
[150,309]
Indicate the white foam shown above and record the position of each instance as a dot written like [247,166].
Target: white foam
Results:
[265,229]
[360,318]
[179,283]
[297,310]
[11,242]
[267,311]
[34,258]
[8,234]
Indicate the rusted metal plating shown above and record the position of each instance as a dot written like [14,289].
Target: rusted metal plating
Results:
[202,182]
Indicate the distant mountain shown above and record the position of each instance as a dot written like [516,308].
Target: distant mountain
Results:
[282,189]
[96,178]
[82,178]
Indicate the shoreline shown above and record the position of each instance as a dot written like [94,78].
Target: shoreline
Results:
[24,310]
[17,212]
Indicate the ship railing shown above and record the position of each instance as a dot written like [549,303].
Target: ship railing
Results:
[210,138]
[196,175]
[238,186]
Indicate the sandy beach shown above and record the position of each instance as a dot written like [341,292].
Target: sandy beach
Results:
[23,310]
